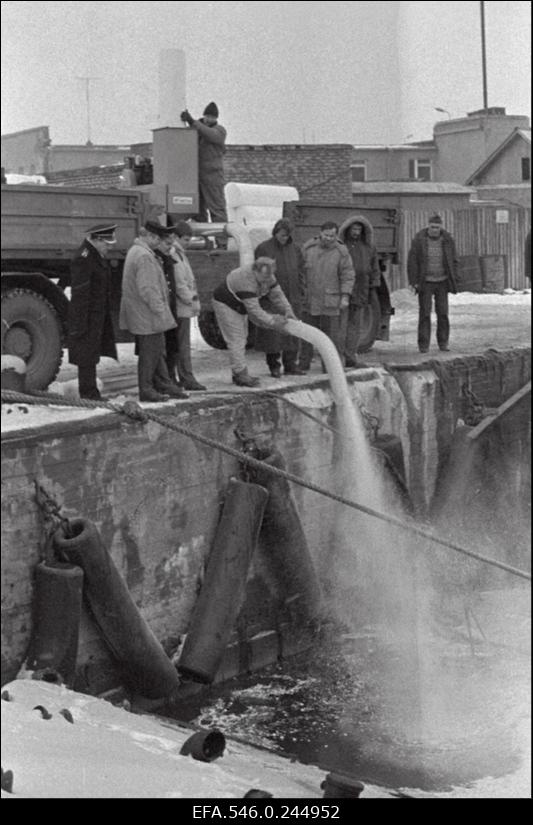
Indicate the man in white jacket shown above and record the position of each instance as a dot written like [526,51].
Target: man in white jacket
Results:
[185,307]
[145,312]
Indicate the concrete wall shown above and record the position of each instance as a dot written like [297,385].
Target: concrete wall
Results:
[26,152]
[390,163]
[61,158]
[156,495]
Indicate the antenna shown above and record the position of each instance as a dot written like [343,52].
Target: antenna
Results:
[87,81]
[484,58]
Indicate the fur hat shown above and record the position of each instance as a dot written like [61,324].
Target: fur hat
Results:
[435,219]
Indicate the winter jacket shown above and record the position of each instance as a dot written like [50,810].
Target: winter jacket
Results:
[144,308]
[188,302]
[364,257]
[417,260]
[329,274]
[211,148]
[290,268]
[290,276]
[90,327]
[241,292]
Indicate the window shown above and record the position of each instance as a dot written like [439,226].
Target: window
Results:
[526,169]
[359,171]
[420,170]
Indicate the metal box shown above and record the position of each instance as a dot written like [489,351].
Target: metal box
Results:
[176,169]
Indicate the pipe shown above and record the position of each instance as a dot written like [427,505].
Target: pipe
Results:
[136,649]
[487,422]
[330,357]
[241,236]
[237,231]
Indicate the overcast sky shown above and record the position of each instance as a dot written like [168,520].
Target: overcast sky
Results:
[355,72]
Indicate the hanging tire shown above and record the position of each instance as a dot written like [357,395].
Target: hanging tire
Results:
[210,331]
[370,323]
[31,330]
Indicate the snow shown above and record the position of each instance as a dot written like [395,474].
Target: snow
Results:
[478,321]
[109,752]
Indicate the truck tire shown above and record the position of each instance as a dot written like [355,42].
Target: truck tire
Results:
[371,321]
[31,329]
[210,331]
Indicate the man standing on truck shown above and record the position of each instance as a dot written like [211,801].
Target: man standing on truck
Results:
[357,234]
[211,150]
[432,268]
[90,327]
[328,284]
[145,311]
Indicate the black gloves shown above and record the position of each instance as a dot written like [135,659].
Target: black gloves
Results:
[186,117]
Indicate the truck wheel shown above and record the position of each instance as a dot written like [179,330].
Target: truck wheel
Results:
[370,322]
[208,326]
[31,329]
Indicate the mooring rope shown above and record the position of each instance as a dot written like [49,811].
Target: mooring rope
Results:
[132,410]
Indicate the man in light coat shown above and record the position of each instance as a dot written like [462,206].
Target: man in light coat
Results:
[145,312]
[186,306]
[329,279]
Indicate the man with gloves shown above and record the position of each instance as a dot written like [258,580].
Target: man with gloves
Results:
[236,299]
[211,150]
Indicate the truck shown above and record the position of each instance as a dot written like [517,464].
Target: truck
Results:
[43,225]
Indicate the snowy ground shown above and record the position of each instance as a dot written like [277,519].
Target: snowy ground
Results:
[478,322]
[108,752]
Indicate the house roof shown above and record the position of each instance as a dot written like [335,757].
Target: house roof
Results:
[524,134]
[411,188]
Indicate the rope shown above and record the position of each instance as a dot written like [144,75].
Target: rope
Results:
[134,411]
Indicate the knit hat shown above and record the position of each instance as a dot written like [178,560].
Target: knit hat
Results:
[435,219]
[182,229]
[211,109]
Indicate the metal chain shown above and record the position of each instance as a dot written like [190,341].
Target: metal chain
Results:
[133,410]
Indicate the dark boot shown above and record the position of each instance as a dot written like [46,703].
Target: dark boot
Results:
[244,379]
[151,395]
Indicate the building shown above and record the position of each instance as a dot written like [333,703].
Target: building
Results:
[30,152]
[458,149]
[506,173]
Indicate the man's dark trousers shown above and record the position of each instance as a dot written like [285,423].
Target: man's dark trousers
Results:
[439,291]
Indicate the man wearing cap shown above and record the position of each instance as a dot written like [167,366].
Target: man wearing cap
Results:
[211,150]
[90,327]
[145,311]
[432,268]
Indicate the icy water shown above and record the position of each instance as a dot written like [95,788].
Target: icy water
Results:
[338,707]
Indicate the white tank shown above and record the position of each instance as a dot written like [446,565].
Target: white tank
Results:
[256,205]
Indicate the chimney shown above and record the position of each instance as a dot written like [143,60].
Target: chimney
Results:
[172,87]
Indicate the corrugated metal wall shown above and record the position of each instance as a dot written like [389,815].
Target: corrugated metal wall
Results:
[476,232]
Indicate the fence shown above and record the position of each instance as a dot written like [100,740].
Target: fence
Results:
[477,230]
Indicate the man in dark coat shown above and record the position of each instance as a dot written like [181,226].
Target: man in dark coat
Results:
[289,260]
[211,150]
[357,233]
[432,268]
[90,327]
